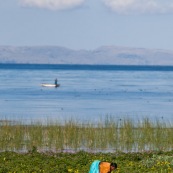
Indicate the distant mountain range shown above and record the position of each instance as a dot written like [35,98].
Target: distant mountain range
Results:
[113,55]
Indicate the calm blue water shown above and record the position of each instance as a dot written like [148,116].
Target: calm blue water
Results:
[86,93]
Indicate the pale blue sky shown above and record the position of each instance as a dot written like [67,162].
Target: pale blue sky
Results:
[87,24]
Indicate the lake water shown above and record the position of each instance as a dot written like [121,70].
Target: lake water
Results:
[86,93]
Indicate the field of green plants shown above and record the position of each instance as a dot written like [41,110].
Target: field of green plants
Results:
[142,146]
[34,162]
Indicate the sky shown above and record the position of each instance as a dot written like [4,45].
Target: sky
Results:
[87,24]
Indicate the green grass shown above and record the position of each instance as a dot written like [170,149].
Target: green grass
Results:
[137,147]
[34,162]
[109,135]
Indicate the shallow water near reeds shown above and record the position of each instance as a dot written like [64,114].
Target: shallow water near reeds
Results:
[86,93]
[108,136]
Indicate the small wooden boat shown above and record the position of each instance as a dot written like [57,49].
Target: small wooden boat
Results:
[49,85]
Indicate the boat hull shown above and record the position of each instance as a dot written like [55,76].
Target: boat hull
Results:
[50,85]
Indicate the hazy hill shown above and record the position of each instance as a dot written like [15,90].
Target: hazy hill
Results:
[102,55]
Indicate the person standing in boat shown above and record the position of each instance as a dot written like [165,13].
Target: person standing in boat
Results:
[56,81]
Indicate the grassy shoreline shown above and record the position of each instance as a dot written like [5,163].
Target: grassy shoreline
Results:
[137,147]
[106,136]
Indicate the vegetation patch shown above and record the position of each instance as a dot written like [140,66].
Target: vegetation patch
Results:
[107,136]
[142,146]
[34,162]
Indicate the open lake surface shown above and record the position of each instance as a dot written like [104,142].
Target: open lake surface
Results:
[86,93]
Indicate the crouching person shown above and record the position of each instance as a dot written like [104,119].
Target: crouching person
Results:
[102,167]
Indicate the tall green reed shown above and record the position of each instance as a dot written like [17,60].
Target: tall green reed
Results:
[109,135]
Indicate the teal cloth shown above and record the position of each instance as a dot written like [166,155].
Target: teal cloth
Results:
[94,168]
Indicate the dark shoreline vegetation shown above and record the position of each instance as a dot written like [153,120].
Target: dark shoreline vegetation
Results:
[142,146]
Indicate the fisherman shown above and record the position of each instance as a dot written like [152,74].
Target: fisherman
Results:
[56,81]
[102,167]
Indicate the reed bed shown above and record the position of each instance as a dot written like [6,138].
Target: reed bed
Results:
[106,136]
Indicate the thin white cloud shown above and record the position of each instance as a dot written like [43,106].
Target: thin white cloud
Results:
[140,6]
[52,4]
